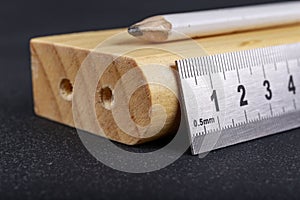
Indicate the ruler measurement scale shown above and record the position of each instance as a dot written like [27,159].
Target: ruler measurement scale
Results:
[235,97]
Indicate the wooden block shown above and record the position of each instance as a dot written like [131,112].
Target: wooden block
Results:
[56,61]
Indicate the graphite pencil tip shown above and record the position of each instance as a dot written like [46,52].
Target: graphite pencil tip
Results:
[135,31]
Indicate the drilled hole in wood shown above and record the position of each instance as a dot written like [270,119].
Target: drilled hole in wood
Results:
[66,89]
[106,97]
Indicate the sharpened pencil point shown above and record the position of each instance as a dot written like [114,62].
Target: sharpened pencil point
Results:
[135,31]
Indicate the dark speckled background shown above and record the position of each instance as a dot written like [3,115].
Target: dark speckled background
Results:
[40,159]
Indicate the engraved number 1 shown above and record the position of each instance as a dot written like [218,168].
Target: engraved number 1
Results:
[214,98]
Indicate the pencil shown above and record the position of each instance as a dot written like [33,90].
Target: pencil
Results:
[170,27]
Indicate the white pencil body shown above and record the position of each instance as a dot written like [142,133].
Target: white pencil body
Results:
[211,22]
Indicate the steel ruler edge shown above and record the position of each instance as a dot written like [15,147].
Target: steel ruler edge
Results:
[239,96]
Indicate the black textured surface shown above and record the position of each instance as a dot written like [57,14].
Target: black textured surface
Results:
[42,159]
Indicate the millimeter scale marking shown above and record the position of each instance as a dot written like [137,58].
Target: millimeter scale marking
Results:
[239,96]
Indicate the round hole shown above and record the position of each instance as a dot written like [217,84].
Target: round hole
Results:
[66,89]
[106,97]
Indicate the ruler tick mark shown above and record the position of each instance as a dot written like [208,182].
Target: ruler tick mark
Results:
[241,59]
[219,122]
[214,67]
[233,124]
[203,65]
[200,70]
[195,67]
[250,68]
[200,67]
[271,110]
[219,67]
[226,63]
[263,68]
[246,117]
[287,67]
[203,71]
[211,83]
[192,70]
[183,66]
[238,75]
[180,68]
[220,60]
[205,68]
[230,62]
[194,73]
[294,102]
[187,68]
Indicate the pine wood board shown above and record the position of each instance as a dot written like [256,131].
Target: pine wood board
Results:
[57,58]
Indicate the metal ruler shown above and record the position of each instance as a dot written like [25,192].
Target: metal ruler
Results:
[235,97]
